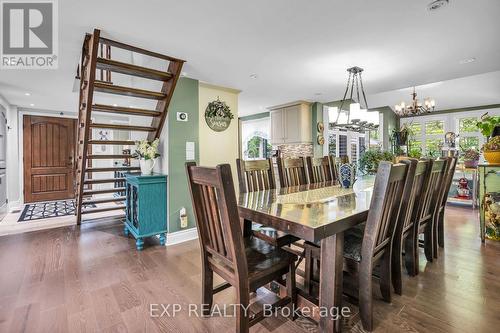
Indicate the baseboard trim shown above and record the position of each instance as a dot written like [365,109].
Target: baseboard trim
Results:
[15,205]
[181,236]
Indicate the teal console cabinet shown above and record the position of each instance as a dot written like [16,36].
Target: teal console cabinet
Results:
[146,212]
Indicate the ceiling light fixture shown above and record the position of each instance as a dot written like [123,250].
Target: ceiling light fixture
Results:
[32,104]
[354,81]
[467,61]
[27,94]
[437,4]
[415,107]
[253,76]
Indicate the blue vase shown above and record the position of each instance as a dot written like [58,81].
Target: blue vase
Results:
[346,174]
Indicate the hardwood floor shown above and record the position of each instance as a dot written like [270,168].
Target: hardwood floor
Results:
[91,279]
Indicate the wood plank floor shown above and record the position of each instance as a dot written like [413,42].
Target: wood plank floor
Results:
[91,279]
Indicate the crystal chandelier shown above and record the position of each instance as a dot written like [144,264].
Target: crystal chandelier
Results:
[415,107]
[354,83]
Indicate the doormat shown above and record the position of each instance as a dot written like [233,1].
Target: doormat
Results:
[44,210]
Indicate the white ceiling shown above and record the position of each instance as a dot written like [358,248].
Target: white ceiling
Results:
[297,48]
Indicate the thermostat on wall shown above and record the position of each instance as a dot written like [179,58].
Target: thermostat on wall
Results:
[182,116]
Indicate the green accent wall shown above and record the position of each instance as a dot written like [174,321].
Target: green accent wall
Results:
[317,116]
[184,99]
[390,122]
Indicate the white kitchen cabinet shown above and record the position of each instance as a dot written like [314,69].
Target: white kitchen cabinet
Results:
[291,123]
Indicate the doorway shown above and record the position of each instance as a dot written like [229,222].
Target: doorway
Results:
[49,158]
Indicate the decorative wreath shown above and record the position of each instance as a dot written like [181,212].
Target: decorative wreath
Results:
[218,108]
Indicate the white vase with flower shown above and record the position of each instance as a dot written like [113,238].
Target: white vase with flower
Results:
[147,153]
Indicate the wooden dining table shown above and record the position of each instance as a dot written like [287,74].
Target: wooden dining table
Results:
[318,212]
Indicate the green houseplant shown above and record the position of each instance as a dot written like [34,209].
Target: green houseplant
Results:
[370,159]
[491,149]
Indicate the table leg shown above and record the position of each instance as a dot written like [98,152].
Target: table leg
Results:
[330,285]
[247,228]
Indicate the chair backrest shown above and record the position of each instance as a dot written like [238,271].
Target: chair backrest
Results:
[291,171]
[217,218]
[413,193]
[333,167]
[318,169]
[384,209]
[256,175]
[452,163]
[431,191]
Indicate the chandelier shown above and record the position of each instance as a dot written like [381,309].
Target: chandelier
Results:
[354,83]
[415,107]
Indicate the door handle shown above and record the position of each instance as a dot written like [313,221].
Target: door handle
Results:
[71,162]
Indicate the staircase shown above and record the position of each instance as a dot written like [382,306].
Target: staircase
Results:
[99,189]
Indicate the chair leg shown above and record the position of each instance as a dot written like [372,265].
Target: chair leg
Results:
[290,290]
[435,223]
[411,254]
[207,289]
[396,274]
[242,317]
[308,267]
[441,229]
[429,242]
[385,276]
[365,297]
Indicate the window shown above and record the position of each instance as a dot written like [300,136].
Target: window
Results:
[470,142]
[332,144]
[415,148]
[467,125]
[342,145]
[415,129]
[433,147]
[258,148]
[254,138]
[434,127]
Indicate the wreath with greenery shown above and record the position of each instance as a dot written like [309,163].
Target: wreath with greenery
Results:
[218,108]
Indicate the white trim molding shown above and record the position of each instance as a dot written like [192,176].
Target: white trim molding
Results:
[181,236]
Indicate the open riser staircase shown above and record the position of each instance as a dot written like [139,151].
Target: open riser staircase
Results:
[99,175]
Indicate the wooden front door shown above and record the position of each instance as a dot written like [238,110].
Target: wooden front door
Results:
[49,153]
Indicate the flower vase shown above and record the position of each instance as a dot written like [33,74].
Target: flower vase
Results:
[147,166]
[346,173]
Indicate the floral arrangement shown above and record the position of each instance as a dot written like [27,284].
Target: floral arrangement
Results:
[370,159]
[147,150]
[218,108]
[470,155]
[492,145]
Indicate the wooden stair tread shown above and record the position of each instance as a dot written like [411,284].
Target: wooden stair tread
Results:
[111,142]
[112,169]
[123,127]
[107,190]
[130,69]
[127,91]
[136,49]
[125,110]
[103,181]
[104,200]
[101,209]
[103,157]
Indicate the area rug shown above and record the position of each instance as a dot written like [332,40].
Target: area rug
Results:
[44,210]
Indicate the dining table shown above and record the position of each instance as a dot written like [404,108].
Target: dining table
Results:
[318,213]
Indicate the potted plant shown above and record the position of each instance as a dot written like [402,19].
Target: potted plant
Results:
[401,136]
[491,150]
[487,124]
[471,158]
[147,152]
[369,160]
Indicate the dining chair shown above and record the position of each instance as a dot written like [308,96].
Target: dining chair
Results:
[291,171]
[318,169]
[425,218]
[405,227]
[258,175]
[371,245]
[452,163]
[333,166]
[244,263]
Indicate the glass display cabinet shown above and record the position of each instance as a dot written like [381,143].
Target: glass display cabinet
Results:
[489,201]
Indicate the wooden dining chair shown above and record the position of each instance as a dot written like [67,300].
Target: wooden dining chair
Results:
[318,169]
[333,166]
[452,163]
[425,219]
[258,175]
[291,171]
[405,228]
[244,263]
[362,251]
